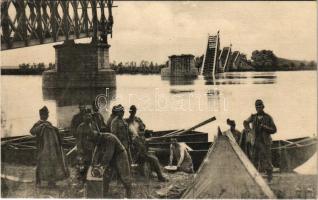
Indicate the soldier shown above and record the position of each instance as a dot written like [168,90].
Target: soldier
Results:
[98,118]
[85,144]
[135,121]
[236,134]
[78,119]
[263,126]
[179,151]
[112,155]
[51,164]
[120,129]
[110,119]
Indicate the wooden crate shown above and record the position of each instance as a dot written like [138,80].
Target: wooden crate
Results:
[93,186]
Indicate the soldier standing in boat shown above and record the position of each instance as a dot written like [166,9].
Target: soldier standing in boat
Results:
[51,165]
[86,132]
[263,126]
[78,119]
[112,155]
[179,152]
[120,129]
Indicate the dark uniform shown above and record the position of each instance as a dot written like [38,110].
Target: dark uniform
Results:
[120,129]
[142,156]
[51,165]
[76,121]
[112,155]
[237,135]
[109,122]
[99,120]
[263,126]
[86,145]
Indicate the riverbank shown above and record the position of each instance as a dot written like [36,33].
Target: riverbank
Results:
[284,185]
[142,188]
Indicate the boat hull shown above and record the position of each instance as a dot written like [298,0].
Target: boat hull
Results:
[286,154]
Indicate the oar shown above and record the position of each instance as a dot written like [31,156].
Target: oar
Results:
[16,139]
[174,132]
[195,127]
[179,132]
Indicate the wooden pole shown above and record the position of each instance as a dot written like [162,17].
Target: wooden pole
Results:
[187,130]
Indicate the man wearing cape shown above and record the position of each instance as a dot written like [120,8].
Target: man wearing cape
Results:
[51,164]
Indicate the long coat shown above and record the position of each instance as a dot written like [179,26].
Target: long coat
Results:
[51,164]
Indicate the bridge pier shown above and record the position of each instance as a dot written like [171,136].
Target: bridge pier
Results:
[80,66]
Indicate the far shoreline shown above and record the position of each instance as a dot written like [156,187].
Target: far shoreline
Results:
[18,72]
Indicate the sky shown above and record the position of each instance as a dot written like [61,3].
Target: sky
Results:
[155,30]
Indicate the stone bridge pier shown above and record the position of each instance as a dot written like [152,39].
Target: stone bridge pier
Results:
[79,65]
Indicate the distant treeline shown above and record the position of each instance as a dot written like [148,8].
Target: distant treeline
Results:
[27,69]
[144,67]
[261,60]
[266,60]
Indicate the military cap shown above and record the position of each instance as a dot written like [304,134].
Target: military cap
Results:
[132,108]
[230,122]
[119,108]
[259,102]
[44,110]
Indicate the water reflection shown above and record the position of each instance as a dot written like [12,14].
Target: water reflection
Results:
[240,78]
[230,76]
[221,80]
[67,101]
[179,80]
[265,82]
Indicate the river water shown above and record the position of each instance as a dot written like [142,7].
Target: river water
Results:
[289,97]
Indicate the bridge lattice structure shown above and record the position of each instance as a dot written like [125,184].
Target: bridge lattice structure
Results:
[33,22]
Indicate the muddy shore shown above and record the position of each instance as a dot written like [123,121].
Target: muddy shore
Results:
[284,185]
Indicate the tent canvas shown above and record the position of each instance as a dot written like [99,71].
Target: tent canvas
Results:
[226,172]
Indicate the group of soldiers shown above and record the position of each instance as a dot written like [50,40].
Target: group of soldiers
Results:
[256,141]
[109,147]
[113,147]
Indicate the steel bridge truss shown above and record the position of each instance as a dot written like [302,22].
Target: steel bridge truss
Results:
[33,22]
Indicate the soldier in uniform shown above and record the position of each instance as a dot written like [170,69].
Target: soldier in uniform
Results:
[112,155]
[112,116]
[236,134]
[139,144]
[86,144]
[263,126]
[51,165]
[135,121]
[98,118]
[78,119]
[120,129]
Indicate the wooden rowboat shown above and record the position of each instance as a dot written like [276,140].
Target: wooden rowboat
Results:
[22,149]
[286,154]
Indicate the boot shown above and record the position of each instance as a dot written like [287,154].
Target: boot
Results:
[128,193]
